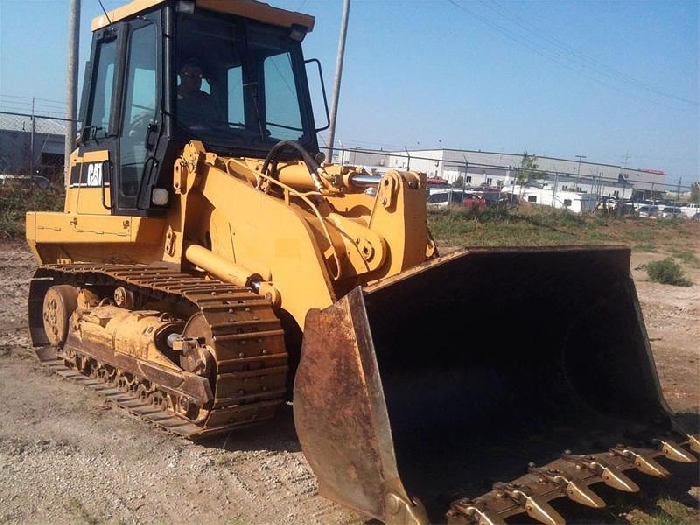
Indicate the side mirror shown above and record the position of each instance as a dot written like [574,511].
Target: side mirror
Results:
[317,91]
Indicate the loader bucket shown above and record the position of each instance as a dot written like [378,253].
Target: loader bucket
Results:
[440,381]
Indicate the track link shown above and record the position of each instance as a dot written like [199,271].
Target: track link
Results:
[241,332]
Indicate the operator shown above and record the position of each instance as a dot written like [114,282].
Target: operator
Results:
[195,108]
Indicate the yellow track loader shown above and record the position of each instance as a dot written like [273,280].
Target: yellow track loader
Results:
[209,265]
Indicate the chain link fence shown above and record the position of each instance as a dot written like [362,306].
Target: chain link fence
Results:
[32,147]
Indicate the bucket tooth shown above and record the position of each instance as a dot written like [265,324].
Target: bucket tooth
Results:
[643,464]
[617,480]
[694,442]
[542,511]
[476,514]
[582,495]
[574,490]
[535,507]
[674,452]
[605,472]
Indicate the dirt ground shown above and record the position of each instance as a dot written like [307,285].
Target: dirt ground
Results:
[66,457]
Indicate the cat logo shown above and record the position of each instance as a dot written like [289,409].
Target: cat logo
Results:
[94,175]
[88,175]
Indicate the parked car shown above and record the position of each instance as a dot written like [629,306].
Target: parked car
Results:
[24,182]
[443,197]
[690,209]
[671,212]
[650,212]
[610,203]
[473,200]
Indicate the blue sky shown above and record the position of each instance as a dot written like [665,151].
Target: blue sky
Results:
[601,79]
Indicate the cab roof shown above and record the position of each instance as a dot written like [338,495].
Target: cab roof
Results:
[246,8]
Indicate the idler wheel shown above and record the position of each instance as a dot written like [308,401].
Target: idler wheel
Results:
[59,304]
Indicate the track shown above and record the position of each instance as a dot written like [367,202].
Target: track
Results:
[241,332]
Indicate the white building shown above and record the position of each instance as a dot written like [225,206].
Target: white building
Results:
[547,195]
[495,170]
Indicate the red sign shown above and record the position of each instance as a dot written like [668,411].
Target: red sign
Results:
[654,172]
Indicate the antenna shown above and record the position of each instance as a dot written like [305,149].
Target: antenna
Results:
[105,11]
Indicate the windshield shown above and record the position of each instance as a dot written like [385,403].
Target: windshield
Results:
[240,85]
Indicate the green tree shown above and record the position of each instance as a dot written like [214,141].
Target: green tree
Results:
[695,192]
[530,169]
[459,182]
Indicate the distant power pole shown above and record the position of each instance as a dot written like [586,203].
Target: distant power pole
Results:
[71,84]
[578,174]
[626,156]
[31,142]
[338,77]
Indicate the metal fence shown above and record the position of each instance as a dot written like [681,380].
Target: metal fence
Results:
[32,145]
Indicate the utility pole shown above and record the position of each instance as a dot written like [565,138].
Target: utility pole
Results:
[71,85]
[678,190]
[338,77]
[466,170]
[31,143]
[578,175]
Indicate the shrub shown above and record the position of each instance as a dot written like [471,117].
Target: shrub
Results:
[667,271]
[16,202]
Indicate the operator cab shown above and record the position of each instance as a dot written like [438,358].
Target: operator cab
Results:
[253,74]
[229,74]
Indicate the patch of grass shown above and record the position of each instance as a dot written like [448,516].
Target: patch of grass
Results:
[644,248]
[82,514]
[16,202]
[687,257]
[671,512]
[667,271]
[542,226]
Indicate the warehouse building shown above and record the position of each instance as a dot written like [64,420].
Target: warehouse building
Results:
[497,170]
[32,146]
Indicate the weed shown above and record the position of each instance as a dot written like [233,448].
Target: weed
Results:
[644,247]
[83,515]
[687,257]
[16,202]
[667,271]
[670,512]
[541,226]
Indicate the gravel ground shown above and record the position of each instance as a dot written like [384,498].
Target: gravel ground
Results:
[66,457]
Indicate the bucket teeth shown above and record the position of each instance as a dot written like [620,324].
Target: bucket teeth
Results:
[571,476]
[674,452]
[535,507]
[608,474]
[643,464]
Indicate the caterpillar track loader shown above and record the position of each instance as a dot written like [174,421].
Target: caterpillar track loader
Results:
[210,265]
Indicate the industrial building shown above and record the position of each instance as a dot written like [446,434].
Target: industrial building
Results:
[31,146]
[498,170]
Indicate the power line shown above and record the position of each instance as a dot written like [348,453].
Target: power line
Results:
[557,57]
[16,113]
[598,66]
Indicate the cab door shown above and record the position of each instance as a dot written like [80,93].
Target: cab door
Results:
[92,163]
[140,126]
[121,112]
